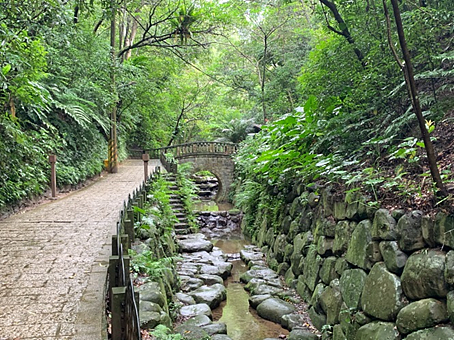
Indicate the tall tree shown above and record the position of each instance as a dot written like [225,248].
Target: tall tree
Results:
[407,69]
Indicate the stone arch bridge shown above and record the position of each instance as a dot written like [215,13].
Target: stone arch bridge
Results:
[214,157]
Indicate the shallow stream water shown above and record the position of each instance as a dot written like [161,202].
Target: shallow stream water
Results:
[242,322]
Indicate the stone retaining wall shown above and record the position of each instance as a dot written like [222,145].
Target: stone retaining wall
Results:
[366,273]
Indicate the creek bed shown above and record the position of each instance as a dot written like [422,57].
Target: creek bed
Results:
[242,321]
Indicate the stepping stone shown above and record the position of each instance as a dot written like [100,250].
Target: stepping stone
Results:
[194,310]
[211,295]
[193,244]
[274,309]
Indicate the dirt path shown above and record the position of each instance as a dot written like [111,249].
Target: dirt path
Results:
[53,261]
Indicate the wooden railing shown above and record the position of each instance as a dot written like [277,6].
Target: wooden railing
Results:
[123,301]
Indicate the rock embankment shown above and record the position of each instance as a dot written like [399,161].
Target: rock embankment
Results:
[366,273]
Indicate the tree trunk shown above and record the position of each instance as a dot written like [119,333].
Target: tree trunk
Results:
[411,84]
[343,29]
[262,83]
[112,152]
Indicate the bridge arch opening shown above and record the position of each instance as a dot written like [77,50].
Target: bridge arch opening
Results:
[209,170]
[207,184]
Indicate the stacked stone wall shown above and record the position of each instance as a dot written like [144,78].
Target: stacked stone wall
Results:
[366,273]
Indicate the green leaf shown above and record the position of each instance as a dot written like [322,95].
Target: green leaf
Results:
[6,69]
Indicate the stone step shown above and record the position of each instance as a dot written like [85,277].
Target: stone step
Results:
[183,231]
[177,206]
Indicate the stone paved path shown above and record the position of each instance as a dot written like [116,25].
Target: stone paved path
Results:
[53,261]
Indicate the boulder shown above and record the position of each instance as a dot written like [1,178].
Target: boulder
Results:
[327,199]
[410,232]
[255,300]
[279,247]
[340,210]
[435,333]
[373,252]
[378,331]
[421,314]
[194,310]
[263,289]
[325,226]
[423,275]
[450,305]
[301,245]
[325,245]
[382,295]
[313,199]
[444,229]
[282,268]
[215,328]
[258,273]
[209,279]
[311,270]
[296,207]
[384,226]
[294,320]
[274,309]
[151,291]
[220,337]
[318,318]
[211,295]
[301,334]
[190,283]
[357,248]
[193,243]
[222,269]
[351,286]
[428,231]
[331,302]
[342,235]
[285,225]
[341,265]
[338,333]
[394,258]
[192,332]
[449,268]
[185,298]
[302,289]
[315,299]
[348,324]
[150,314]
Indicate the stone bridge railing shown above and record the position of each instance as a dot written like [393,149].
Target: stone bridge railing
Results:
[199,148]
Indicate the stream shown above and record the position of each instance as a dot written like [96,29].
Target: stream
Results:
[242,321]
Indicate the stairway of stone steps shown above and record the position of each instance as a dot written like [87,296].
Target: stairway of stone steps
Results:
[182,226]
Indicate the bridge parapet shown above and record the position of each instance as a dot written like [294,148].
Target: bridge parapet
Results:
[200,148]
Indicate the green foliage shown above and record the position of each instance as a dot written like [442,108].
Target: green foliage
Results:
[159,197]
[146,263]
[188,192]
[161,332]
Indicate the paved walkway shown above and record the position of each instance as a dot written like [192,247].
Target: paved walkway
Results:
[53,261]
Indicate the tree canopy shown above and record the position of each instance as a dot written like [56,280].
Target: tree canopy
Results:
[322,78]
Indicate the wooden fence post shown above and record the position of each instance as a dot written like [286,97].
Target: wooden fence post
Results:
[118,299]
